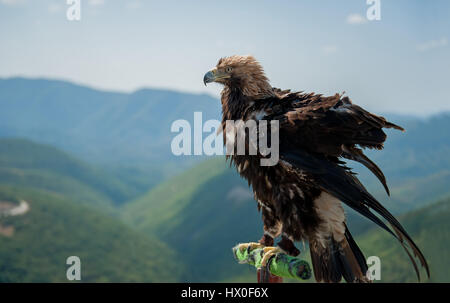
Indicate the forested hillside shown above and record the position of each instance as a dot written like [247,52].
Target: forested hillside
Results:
[34,246]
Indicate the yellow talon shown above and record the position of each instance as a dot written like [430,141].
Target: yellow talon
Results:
[268,253]
[250,246]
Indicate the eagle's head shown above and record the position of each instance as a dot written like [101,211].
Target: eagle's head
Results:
[240,72]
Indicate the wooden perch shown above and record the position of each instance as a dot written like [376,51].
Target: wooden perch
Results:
[281,265]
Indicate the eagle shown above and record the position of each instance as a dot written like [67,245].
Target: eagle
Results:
[301,197]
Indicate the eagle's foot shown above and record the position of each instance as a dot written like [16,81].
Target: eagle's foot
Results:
[264,275]
[250,246]
[268,253]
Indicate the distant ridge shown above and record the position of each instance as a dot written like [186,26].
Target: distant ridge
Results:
[98,125]
[26,163]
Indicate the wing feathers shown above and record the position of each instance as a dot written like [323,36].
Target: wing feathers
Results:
[344,186]
[356,154]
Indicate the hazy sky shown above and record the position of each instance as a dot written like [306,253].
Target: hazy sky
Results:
[398,64]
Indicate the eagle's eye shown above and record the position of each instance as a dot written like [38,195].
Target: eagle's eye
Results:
[228,69]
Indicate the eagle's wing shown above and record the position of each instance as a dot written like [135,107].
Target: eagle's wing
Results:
[315,131]
[342,184]
[332,126]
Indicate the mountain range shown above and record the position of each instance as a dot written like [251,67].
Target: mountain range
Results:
[129,130]
[96,169]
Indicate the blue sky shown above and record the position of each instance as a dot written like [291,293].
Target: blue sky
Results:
[399,64]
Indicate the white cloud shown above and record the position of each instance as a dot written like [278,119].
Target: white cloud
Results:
[329,49]
[96,2]
[356,19]
[54,8]
[429,45]
[11,2]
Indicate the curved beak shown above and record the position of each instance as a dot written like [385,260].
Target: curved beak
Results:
[215,75]
[209,77]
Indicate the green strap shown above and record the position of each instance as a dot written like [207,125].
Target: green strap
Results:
[281,264]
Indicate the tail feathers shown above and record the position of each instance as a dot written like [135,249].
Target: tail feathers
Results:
[343,185]
[356,251]
[404,239]
[402,236]
[338,260]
